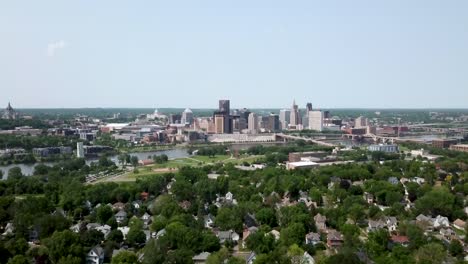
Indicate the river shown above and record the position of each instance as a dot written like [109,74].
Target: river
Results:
[28,169]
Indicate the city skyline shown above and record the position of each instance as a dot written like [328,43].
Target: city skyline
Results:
[363,54]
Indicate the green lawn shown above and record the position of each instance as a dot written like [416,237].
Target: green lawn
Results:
[173,165]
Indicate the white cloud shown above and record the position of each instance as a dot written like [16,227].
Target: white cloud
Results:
[54,46]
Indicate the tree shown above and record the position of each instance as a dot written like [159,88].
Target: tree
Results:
[136,236]
[116,236]
[209,242]
[92,237]
[296,254]
[122,159]
[266,216]
[293,234]
[70,260]
[438,201]
[430,253]
[456,248]
[125,257]
[377,243]
[134,161]
[227,218]
[218,257]
[19,259]
[104,213]
[48,224]
[62,244]
[15,173]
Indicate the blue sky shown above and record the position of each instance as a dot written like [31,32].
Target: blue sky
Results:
[258,53]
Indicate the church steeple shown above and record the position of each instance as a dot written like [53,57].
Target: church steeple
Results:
[9,108]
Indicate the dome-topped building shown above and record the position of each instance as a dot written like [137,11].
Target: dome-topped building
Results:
[9,113]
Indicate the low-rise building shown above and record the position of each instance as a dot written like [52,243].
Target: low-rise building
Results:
[392,148]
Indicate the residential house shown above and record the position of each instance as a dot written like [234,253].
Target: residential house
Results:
[369,197]
[393,180]
[459,224]
[274,233]
[160,233]
[9,229]
[229,197]
[334,239]
[251,258]
[320,222]
[399,240]
[121,216]
[424,222]
[440,221]
[307,259]
[246,233]
[105,229]
[249,220]
[76,228]
[92,226]
[374,225]
[146,218]
[95,255]
[209,221]
[231,235]
[136,204]
[124,230]
[312,238]
[201,258]
[118,206]
[447,233]
[391,223]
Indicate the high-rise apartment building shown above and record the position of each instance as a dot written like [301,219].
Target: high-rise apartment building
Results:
[316,120]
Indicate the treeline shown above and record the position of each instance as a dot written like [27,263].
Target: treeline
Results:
[30,142]
[6,124]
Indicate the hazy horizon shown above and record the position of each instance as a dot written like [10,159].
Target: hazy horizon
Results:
[259,54]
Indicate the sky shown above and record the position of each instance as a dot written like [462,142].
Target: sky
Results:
[257,53]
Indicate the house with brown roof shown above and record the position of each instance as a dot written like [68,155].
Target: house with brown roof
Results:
[459,224]
[334,239]
[320,222]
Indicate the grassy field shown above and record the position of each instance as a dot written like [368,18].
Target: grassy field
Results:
[175,164]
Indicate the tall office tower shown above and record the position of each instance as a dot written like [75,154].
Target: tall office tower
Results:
[316,120]
[308,107]
[79,150]
[187,117]
[253,123]
[235,123]
[272,123]
[225,110]
[244,116]
[175,118]
[305,120]
[284,117]
[219,123]
[360,122]
[294,117]
[326,114]
[224,106]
